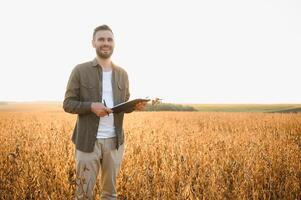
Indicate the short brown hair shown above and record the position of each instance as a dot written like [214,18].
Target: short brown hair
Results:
[102,28]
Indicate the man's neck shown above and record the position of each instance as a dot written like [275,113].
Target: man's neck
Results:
[106,64]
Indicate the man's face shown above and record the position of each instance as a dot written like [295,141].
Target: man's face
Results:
[103,42]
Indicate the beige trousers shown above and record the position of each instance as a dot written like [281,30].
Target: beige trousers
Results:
[106,159]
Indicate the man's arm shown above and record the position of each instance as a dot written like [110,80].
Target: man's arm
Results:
[127,95]
[72,103]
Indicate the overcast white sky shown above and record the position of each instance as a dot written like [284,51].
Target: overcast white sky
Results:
[182,51]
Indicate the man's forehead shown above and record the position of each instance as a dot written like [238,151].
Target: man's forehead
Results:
[104,34]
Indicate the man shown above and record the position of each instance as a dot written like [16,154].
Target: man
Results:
[93,88]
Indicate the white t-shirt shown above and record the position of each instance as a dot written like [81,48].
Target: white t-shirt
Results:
[106,128]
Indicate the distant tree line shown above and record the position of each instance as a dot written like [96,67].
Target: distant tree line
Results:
[168,107]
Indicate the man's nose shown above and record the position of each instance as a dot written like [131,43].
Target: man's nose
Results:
[106,42]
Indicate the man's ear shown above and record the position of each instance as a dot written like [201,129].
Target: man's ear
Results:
[93,44]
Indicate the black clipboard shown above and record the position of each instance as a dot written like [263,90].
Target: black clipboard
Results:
[128,105]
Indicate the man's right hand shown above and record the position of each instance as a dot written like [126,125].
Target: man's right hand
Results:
[100,110]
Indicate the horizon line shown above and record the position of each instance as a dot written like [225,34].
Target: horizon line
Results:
[183,103]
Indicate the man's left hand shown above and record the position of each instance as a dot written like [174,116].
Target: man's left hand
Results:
[140,106]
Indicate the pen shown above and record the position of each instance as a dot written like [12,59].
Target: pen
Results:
[104,103]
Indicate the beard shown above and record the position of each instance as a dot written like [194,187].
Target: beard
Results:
[104,55]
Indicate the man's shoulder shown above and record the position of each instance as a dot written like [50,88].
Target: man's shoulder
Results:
[120,69]
[84,65]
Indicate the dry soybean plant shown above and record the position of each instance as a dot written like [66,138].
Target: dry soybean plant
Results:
[169,155]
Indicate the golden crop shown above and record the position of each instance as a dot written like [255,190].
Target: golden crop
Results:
[169,155]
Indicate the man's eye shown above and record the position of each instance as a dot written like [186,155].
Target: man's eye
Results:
[110,39]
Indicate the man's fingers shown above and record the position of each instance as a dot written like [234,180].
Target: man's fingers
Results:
[140,105]
[109,110]
[103,112]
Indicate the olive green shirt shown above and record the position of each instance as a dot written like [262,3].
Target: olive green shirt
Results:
[83,88]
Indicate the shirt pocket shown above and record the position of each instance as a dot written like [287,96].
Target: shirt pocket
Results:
[122,91]
[88,91]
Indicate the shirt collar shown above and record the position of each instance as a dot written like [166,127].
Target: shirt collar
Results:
[95,63]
